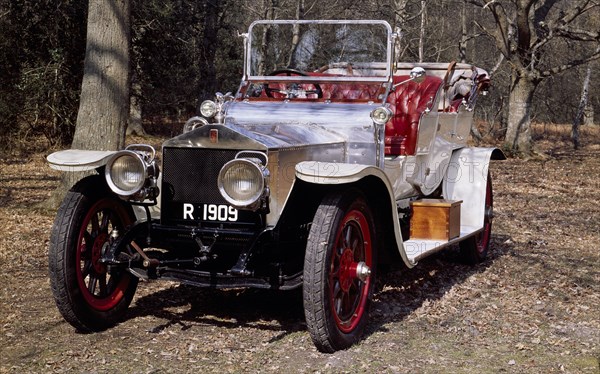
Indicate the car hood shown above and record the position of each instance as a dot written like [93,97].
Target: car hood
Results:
[282,125]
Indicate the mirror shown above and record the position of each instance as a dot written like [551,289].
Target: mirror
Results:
[417,74]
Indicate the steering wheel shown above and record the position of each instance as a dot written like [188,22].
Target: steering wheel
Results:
[291,72]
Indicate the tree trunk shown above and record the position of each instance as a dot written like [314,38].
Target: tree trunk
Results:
[134,125]
[462,45]
[581,109]
[518,132]
[422,31]
[400,17]
[104,101]
[208,51]
[588,116]
[296,33]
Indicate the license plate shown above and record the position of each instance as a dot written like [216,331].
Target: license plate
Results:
[209,212]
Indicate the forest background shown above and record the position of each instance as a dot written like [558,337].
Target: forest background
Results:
[183,51]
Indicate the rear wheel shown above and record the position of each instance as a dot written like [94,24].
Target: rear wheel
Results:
[87,295]
[339,271]
[475,249]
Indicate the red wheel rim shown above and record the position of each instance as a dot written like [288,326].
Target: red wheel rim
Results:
[102,291]
[348,294]
[483,239]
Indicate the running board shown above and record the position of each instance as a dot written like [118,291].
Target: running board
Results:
[417,249]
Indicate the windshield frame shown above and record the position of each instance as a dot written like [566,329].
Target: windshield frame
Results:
[387,71]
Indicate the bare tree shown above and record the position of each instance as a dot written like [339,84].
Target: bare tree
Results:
[462,46]
[422,29]
[411,20]
[296,30]
[581,109]
[525,32]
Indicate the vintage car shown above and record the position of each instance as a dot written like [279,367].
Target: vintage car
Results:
[330,159]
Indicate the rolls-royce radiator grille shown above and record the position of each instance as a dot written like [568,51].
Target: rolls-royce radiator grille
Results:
[189,191]
[190,174]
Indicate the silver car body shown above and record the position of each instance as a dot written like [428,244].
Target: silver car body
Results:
[327,142]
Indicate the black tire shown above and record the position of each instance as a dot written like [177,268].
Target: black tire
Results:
[475,249]
[336,300]
[87,295]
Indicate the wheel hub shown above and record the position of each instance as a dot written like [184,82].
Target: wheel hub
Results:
[489,213]
[347,268]
[350,270]
[363,272]
[97,250]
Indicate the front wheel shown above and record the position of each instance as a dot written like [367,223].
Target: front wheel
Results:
[339,271]
[88,296]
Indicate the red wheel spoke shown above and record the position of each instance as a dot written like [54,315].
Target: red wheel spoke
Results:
[355,290]
[87,269]
[105,220]
[337,294]
[102,284]
[85,249]
[340,246]
[88,240]
[348,306]
[94,220]
[337,254]
[355,247]
[348,236]
[338,305]
[345,307]
[93,281]
[334,271]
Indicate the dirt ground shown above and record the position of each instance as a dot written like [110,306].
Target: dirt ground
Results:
[532,307]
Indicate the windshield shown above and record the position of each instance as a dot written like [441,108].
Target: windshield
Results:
[325,50]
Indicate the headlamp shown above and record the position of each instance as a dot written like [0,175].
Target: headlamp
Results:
[381,115]
[242,183]
[208,108]
[132,174]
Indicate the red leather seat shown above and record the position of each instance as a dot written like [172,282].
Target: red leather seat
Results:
[408,102]
[354,91]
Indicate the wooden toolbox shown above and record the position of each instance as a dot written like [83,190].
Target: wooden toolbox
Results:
[436,219]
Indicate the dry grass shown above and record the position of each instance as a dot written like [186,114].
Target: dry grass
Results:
[556,132]
[531,308]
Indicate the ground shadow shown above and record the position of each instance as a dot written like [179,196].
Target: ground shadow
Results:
[188,306]
[402,291]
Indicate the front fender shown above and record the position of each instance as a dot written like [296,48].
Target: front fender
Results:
[337,173]
[78,160]
[375,184]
